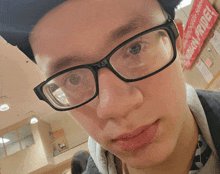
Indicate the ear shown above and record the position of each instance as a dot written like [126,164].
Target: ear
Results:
[179,41]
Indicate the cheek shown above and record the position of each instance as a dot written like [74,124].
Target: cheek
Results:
[165,90]
[87,118]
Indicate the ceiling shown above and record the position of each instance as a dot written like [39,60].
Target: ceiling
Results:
[18,77]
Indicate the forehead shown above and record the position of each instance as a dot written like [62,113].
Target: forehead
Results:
[82,27]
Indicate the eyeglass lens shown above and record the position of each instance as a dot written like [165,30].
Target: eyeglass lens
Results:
[138,58]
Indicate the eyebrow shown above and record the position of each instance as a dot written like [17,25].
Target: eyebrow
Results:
[115,34]
[133,24]
[62,63]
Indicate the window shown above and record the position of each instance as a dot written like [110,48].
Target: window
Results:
[2,151]
[16,140]
[12,145]
[26,136]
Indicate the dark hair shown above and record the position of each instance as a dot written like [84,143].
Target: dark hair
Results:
[76,167]
[18,19]
[169,6]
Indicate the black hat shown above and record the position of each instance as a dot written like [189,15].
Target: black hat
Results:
[17,18]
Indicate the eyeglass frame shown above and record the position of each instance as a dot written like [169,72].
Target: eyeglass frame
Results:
[170,28]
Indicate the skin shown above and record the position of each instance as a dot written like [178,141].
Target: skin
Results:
[82,28]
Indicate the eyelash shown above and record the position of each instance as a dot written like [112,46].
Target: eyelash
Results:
[125,51]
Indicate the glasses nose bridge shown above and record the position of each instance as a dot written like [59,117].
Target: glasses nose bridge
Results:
[101,64]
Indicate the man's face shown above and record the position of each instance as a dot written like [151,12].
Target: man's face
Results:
[83,29]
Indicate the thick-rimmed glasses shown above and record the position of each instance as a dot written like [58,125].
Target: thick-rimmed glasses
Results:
[137,58]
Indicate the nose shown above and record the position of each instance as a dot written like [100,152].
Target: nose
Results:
[116,97]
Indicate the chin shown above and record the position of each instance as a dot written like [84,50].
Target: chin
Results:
[151,156]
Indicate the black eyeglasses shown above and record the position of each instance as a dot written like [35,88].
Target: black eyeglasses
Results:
[137,58]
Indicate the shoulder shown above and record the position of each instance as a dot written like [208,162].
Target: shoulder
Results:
[210,101]
[206,93]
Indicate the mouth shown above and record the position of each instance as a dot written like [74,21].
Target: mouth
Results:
[136,139]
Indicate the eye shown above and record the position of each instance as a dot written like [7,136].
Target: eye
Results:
[74,79]
[52,87]
[135,49]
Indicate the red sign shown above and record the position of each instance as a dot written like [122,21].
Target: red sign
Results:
[200,22]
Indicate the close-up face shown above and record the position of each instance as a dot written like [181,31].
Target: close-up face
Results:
[83,32]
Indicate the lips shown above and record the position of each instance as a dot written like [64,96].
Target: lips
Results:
[133,134]
[137,139]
